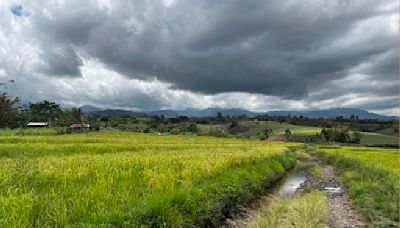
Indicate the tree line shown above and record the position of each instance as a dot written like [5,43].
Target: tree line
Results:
[14,115]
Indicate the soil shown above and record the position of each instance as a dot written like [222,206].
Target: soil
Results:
[247,216]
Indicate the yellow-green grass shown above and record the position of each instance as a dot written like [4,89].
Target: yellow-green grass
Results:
[278,128]
[128,179]
[388,131]
[32,131]
[205,129]
[373,179]
[370,139]
[306,211]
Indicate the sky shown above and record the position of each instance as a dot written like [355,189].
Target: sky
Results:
[259,55]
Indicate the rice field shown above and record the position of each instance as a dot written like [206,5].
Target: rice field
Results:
[371,139]
[127,179]
[32,131]
[278,128]
[373,179]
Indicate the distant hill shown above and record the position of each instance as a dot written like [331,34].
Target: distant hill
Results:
[89,108]
[117,112]
[333,113]
[110,112]
[168,113]
[210,112]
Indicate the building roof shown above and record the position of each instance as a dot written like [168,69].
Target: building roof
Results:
[80,126]
[37,124]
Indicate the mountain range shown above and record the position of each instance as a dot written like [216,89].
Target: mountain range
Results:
[333,113]
[209,112]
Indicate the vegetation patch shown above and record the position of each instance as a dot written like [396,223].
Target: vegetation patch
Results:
[372,139]
[277,128]
[308,210]
[33,131]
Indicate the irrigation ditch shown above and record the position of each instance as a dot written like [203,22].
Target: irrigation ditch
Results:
[309,174]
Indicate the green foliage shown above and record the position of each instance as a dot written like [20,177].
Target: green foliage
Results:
[44,111]
[69,117]
[218,132]
[8,111]
[262,136]
[267,132]
[288,133]
[341,135]
[220,117]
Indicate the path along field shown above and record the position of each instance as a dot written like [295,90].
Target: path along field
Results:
[373,179]
[127,179]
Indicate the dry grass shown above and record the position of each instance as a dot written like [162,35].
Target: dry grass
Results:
[306,211]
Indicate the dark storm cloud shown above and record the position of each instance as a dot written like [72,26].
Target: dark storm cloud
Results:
[384,66]
[61,60]
[267,47]
[278,53]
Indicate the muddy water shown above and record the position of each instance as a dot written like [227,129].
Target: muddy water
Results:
[288,185]
[292,183]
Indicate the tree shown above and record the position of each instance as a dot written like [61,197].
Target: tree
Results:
[45,111]
[262,136]
[192,128]
[68,117]
[357,137]
[288,133]
[267,132]
[8,111]
[220,117]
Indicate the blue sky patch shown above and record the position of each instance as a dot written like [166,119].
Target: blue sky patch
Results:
[16,10]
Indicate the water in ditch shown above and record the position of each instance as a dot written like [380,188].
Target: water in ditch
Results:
[292,183]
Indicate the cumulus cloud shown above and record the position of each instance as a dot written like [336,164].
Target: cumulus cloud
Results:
[260,55]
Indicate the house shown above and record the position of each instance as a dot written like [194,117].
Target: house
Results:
[79,128]
[37,124]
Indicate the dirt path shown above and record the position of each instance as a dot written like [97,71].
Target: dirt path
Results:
[341,213]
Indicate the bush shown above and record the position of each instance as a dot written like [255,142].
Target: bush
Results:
[261,136]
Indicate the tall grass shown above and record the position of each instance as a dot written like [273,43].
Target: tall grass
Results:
[32,131]
[306,211]
[127,179]
[373,179]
